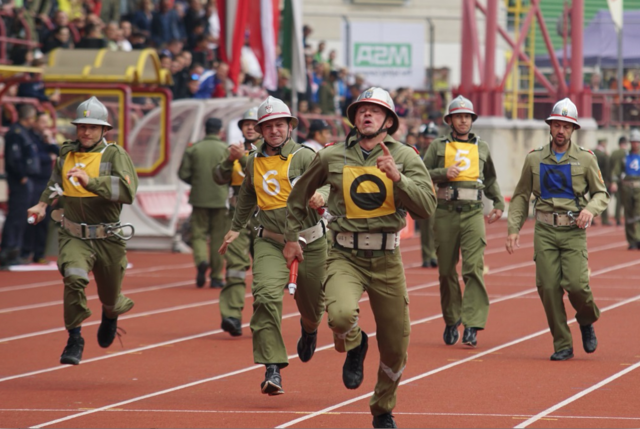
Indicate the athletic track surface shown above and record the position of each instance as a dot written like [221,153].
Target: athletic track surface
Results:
[176,368]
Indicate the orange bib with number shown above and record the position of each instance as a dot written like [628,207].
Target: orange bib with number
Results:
[466,154]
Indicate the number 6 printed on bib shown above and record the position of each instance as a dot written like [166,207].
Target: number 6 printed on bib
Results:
[271,181]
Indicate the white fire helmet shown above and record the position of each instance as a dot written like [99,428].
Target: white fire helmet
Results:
[564,110]
[92,112]
[249,115]
[459,105]
[377,96]
[273,108]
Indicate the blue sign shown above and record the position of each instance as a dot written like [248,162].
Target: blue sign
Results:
[555,181]
[632,164]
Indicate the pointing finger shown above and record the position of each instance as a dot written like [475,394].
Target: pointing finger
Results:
[385,149]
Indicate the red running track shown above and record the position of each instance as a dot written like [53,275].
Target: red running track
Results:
[177,369]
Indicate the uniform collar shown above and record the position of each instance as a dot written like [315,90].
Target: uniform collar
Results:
[473,139]
[97,148]
[572,152]
[286,149]
[351,141]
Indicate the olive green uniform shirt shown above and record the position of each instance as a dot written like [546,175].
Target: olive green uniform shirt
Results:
[116,185]
[487,179]
[274,220]
[585,177]
[413,193]
[616,157]
[195,169]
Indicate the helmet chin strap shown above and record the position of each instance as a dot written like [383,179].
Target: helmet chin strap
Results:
[97,142]
[456,132]
[278,148]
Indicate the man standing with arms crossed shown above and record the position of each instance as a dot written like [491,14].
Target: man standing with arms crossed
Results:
[461,166]
[231,170]
[560,174]
[375,180]
[270,175]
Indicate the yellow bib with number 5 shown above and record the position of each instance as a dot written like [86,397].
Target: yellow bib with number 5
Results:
[466,154]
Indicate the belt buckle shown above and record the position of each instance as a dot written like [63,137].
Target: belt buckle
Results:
[368,253]
[459,209]
[452,194]
[83,231]
[555,220]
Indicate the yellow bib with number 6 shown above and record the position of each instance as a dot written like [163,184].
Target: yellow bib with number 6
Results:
[466,154]
[271,181]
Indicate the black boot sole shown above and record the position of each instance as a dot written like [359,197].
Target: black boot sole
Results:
[271,389]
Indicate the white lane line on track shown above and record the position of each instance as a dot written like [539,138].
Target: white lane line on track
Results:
[577,396]
[131,272]
[91,297]
[410,289]
[338,413]
[449,366]
[231,374]
[506,298]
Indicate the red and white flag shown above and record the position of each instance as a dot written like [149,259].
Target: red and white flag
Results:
[261,18]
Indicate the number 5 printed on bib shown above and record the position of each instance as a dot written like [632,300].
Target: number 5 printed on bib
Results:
[466,154]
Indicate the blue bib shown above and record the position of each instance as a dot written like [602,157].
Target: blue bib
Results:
[632,164]
[555,181]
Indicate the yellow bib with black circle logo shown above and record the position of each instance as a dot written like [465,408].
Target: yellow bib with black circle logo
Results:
[89,162]
[368,192]
[467,155]
[237,175]
[271,181]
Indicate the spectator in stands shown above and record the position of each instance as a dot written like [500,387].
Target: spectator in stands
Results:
[20,162]
[59,38]
[595,82]
[35,87]
[319,55]
[194,15]
[306,32]
[319,73]
[111,35]
[138,40]
[180,76]
[126,28]
[93,38]
[175,47]
[166,25]
[319,134]
[141,19]
[327,94]
[35,237]
[110,10]
[60,19]
[201,52]
[282,92]
[223,86]
[213,25]
[193,87]
[165,61]
[332,58]
[123,41]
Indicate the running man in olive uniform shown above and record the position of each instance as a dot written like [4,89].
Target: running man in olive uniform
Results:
[560,174]
[627,172]
[375,180]
[270,175]
[231,170]
[427,235]
[461,166]
[94,178]
[614,159]
[209,215]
